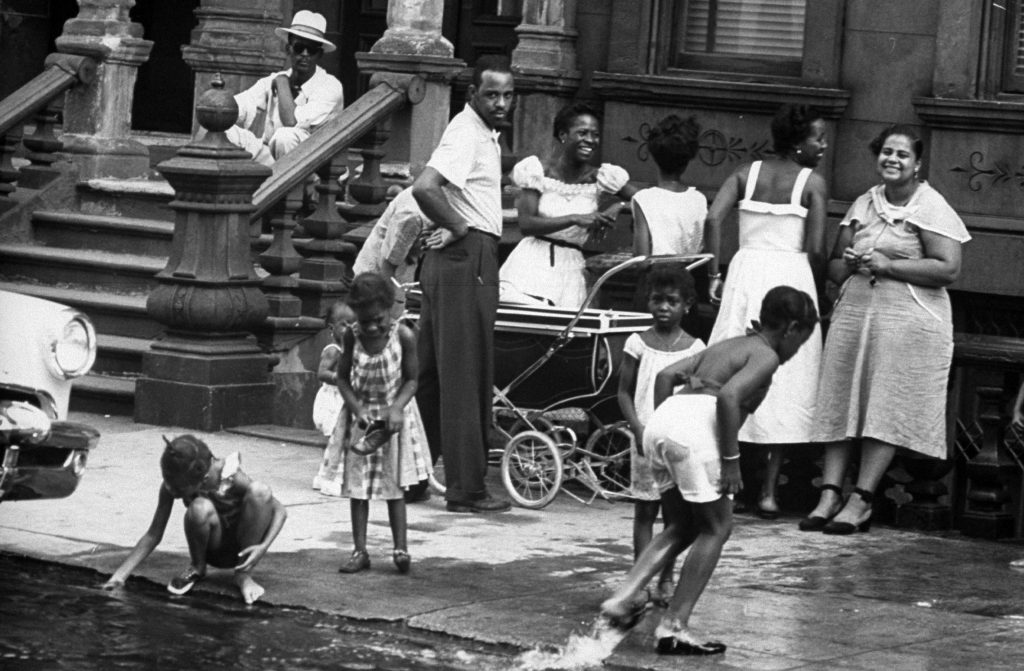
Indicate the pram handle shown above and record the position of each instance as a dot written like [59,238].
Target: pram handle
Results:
[691,260]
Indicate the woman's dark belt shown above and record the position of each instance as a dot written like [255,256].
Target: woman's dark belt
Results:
[555,242]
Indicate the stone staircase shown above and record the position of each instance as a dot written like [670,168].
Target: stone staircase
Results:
[100,258]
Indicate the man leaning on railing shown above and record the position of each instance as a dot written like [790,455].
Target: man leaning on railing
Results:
[281,110]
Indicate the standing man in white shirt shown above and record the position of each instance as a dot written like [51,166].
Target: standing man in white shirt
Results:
[460,191]
[281,110]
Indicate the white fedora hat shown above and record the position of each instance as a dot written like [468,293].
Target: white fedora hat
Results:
[309,26]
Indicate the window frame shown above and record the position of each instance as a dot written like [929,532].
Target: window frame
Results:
[674,60]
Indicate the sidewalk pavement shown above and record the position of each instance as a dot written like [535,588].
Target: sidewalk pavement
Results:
[780,599]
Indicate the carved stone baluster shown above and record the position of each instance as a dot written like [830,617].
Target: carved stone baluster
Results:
[41,145]
[8,173]
[986,513]
[281,260]
[322,272]
[369,190]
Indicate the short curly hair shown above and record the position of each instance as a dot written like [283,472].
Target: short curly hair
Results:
[673,142]
[791,125]
[185,461]
[670,276]
[569,113]
[898,129]
[369,289]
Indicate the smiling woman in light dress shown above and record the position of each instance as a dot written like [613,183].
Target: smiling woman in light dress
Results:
[558,213]
[890,344]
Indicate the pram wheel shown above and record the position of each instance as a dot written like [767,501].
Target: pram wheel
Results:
[531,469]
[608,449]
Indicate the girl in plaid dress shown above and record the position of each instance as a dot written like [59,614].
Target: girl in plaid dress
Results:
[377,380]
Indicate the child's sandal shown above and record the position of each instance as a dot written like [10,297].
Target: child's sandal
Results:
[402,561]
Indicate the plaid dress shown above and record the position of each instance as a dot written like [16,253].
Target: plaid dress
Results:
[376,379]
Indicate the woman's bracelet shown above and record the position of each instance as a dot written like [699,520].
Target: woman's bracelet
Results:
[716,276]
[733,457]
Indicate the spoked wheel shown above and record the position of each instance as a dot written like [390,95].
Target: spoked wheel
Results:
[608,449]
[436,479]
[531,469]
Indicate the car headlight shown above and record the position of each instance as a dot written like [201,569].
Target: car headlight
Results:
[74,348]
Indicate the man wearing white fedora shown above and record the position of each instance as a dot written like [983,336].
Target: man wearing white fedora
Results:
[279,111]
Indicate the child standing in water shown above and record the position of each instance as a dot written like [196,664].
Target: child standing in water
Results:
[670,295]
[328,403]
[692,443]
[230,520]
[377,379]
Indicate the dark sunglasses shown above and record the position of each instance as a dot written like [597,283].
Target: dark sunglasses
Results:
[309,47]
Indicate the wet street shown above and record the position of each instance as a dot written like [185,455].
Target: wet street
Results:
[487,593]
[56,617]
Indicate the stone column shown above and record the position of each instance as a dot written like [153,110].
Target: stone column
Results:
[97,116]
[413,44]
[544,62]
[235,38]
[208,371]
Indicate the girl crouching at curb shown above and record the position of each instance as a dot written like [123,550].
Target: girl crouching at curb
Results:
[691,441]
[230,520]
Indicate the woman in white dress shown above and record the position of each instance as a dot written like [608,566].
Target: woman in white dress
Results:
[558,213]
[781,205]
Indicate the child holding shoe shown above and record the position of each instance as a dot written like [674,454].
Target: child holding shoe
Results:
[230,520]
[377,380]
[691,440]
[670,295]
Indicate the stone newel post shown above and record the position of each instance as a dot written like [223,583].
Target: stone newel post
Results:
[413,44]
[97,117]
[208,371]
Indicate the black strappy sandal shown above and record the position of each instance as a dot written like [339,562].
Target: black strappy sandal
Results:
[816,522]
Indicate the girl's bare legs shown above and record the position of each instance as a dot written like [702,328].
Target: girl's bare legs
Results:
[769,486]
[644,516]
[397,519]
[253,522]
[360,510]
[875,458]
[714,525]
[837,460]
[663,549]
[202,531]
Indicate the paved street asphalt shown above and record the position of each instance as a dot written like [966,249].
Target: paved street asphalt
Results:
[780,599]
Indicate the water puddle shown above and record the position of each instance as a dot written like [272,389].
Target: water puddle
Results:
[581,652]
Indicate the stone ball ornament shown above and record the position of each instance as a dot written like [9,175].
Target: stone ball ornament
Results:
[216,109]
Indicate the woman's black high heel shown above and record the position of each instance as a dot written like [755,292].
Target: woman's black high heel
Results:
[846,528]
[816,522]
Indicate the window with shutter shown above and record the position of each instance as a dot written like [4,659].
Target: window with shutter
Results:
[1013,48]
[740,36]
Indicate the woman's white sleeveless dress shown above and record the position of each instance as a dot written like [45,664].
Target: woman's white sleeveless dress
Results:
[772,253]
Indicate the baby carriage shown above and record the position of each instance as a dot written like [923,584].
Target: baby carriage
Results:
[556,416]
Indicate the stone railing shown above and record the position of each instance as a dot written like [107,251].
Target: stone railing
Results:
[34,101]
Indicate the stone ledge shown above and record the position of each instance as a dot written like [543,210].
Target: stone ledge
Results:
[995,116]
[717,95]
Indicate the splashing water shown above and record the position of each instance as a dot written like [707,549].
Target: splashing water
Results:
[581,651]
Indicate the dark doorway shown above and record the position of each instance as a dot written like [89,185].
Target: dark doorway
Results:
[163,91]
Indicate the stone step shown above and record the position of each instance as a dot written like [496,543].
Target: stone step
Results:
[105,232]
[103,394]
[120,314]
[83,268]
[119,355]
[136,198]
